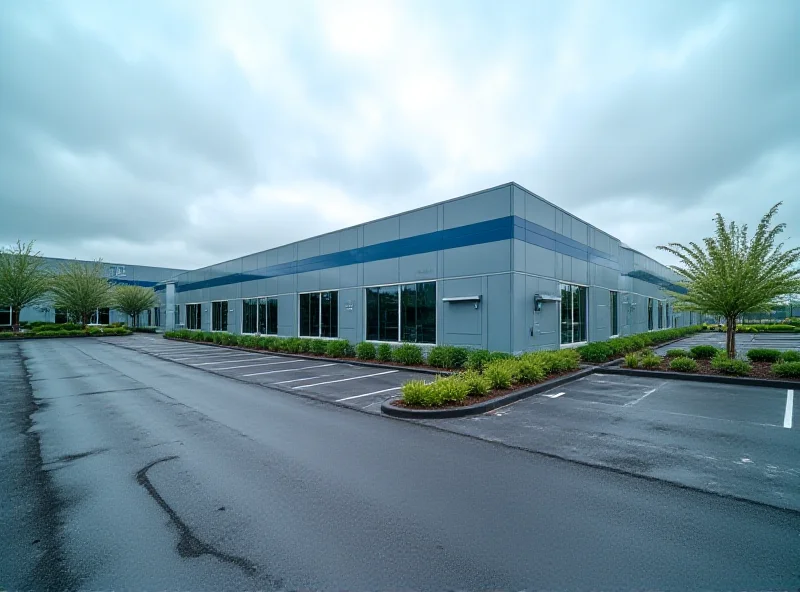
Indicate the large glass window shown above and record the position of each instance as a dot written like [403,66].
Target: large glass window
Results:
[573,313]
[649,314]
[613,311]
[156,316]
[177,319]
[249,315]
[61,316]
[669,316]
[418,312]
[268,316]
[5,316]
[660,315]
[319,314]
[402,313]
[194,316]
[383,313]
[219,316]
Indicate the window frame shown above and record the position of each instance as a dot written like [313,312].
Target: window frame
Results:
[10,311]
[199,315]
[399,286]
[660,323]
[225,330]
[571,344]
[613,305]
[255,320]
[319,312]
[650,314]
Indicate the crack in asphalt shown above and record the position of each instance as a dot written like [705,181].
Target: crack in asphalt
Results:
[188,545]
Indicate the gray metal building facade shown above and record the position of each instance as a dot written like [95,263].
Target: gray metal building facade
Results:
[500,269]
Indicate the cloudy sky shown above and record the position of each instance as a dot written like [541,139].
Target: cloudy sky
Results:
[181,134]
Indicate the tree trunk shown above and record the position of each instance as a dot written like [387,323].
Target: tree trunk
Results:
[15,319]
[84,319]
[730,345]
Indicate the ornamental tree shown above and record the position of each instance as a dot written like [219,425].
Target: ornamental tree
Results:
[80,289]
[24,278]
[133,300]
[733,274]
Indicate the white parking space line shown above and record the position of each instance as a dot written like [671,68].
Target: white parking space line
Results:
[644,396]
[397,388]
[556,396]
[787,416]
[290,370]
[222,362]
[187,356]
[345,379]
[259,364]
[301,379]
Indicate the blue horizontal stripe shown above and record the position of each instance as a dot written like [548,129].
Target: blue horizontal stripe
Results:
[142,283]
[479,233]
[648,277]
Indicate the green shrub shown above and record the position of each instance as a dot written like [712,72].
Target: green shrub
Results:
[787,369]
[677,353]
[248,341]
[449,389]
[290,345]
[650,361]
[764,355]
[723,364]
[408,354]
[501,373]
[476,358]
[478,384]
[230,339]
[529,370]
[632,361]
[790,356]
[683,364]
[365,351]
[448,356]
[384,353]
[416,393]
[216,338]
[339,348]
[318,346]
[494,356]
[304,346]
[703,352]
[596,352]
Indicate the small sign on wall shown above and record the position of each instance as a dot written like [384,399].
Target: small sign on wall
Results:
[349,305]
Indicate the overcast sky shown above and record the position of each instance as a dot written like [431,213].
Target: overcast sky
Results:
[180,134]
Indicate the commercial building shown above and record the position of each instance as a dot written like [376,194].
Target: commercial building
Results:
[500,269]
[119,273]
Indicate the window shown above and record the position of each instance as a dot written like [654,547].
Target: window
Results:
[612,308]
[573,314]
[249,315]
[157,316]
[194,317]
[669,318]
[5,316]
[272,316]
[61,316]
[402,313]
[219,316]
[660,315]
[149,314]
[649,314]
[319,314]
[177,319]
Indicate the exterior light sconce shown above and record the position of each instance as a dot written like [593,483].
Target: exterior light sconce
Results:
[456,299]
[539,299]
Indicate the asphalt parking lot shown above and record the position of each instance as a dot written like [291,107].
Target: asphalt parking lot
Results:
[353,385]
[744,341]
[739,441]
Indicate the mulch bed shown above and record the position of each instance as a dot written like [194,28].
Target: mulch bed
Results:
[759,369]
[488,397]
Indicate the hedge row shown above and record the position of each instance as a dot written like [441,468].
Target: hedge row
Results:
[784,364]
[497,374]
[602,351]
[90,332]
[789,326]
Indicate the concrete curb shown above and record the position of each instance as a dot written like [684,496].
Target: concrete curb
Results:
[478,408]
[712,378]
[353,361]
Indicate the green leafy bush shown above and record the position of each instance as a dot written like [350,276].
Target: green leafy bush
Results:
[448,356]
[339,348]
[416,393]
[408,354]
[596,352]
[365,351]
[790,356]
[230,339]
[723,364]
[704,352]
[318,346]
[494,356]
[305,345]
[529,370]
[787,369]
[764,355]
[476,358]
[677,353]
[248,341]
[632,361]
[449,389]
[650,361]
[384,353]
[477,383]
[683,364]
[502,374]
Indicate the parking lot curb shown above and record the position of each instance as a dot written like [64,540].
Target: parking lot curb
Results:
[712,378]
[352,361]
[478,408]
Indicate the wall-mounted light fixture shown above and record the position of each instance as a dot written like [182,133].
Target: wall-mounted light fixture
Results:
[456,299]
[538,299]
